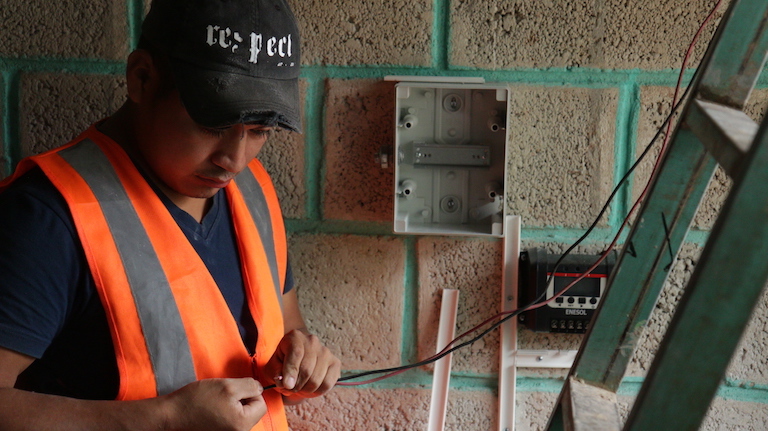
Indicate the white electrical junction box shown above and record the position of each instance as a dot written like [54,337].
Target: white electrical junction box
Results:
[450,155]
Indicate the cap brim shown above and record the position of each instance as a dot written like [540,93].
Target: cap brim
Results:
[216,99]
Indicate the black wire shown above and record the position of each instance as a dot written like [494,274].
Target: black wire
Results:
[431,359]
[623,180]
[436,357]
[589,230]
[605,207]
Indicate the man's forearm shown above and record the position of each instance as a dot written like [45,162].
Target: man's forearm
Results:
[204,405]
[22,410]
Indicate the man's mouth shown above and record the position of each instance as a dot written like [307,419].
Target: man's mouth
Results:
[217,182]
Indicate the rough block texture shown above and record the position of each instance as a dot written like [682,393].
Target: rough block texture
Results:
[560,154]
[82,29]
[652,36]
[474,268]
[730,415]
[662,314]
[471,410]
[655,105]
[349,32]
[532,410]
[363,409]
[392,409]
[529,33]
[55,108]
[283,157]
[723,414]
[351,295]
[359,121]
[585,33]
[749,363]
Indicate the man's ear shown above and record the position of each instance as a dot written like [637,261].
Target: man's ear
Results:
[141,74]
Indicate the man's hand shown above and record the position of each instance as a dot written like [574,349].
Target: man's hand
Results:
[303,366]
[216,404]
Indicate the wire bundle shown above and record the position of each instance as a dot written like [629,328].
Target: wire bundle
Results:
[498,319]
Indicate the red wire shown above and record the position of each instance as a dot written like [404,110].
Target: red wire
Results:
[365,382]
[655,166]
[608,249]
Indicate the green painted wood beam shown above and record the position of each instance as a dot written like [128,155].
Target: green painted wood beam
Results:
[645,262]
[738,57]
[715,308]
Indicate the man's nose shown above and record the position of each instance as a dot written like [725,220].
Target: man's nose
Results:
[232,152]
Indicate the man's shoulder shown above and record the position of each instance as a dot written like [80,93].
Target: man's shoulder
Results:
[32,198]
[31,183]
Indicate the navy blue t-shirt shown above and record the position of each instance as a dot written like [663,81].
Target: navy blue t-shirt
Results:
[49,307]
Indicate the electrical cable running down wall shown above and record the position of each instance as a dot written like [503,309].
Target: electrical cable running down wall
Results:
[498,319]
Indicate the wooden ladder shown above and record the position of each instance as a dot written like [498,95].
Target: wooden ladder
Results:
[730,275]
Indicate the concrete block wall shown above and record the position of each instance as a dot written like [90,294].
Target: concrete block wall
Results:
[590,81]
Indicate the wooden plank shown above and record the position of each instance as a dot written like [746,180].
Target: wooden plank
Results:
[715,308]
[726,132]
[645,261]
[589,408]
[734,63]
[710,319]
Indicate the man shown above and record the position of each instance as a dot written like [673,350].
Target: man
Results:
[144,281]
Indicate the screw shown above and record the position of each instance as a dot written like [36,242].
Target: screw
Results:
[452,103]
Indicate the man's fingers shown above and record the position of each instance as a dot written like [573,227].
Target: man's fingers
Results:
[292,361]
[303,366]
[244,388]
[223,403]
[324,378]
[295,376]
[249,392]
[254,408]
[319,370]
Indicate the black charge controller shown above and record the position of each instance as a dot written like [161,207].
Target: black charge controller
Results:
[573,309]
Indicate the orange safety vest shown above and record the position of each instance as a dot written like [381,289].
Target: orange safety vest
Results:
[170,323]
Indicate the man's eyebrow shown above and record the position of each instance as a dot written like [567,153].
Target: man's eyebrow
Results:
[260,125]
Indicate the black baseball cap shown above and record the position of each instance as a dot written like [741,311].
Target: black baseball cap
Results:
[233,61]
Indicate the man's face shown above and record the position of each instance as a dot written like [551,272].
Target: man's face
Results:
[189,160]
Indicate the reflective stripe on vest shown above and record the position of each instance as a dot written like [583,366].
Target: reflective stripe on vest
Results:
[170,324]
[160,320]
[257,205]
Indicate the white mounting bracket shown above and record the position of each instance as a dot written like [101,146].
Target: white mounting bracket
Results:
[441,376]
[510,357]
[545,358]
[508,336]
